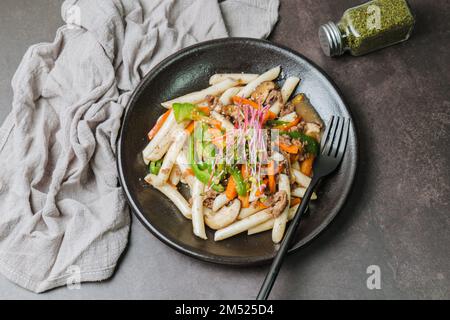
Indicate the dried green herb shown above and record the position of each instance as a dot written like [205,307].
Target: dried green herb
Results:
[376,24]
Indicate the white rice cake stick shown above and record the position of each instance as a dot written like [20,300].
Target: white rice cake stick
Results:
[198,223]
[299,192]
[160,143]
[173,194]
[289,87]
[242,78]
[171,156]
[175,175]
[243,225]
[198,96]
[246,212]
[266,76]
[276,107]
[268,225]
[184,166]
[280,222]
[220,201]
[301,178]
[227,125]
[225,98]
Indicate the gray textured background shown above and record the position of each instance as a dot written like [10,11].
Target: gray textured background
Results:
[398,213]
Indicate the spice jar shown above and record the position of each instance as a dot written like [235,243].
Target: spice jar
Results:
[368,27]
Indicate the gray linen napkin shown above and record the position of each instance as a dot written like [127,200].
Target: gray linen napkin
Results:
[63,217]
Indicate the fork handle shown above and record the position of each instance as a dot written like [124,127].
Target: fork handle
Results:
[284,246]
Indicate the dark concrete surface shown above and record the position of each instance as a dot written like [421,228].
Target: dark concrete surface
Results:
[397,216]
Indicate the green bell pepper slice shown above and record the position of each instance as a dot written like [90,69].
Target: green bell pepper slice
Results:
[183,111]
[202,175]
[241,186]
[187,111]
[155,166]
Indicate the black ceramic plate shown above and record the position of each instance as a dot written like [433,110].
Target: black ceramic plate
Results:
[188,71]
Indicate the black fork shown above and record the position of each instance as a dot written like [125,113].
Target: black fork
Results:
[333,145]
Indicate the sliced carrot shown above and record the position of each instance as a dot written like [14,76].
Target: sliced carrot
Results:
[245,201]
[158,125]
[205,110]
[295,201]
[290,149]
[215,123]
[261,205]
[269,115]
[240,100]
[288,125]
[306,166]
[271,174]
[230,191]
[244,171]
[294,157]
[190,127]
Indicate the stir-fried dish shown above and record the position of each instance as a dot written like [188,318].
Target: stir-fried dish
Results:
[244,149]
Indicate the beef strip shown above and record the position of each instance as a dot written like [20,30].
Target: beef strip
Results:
[209,197]
[285,139]
[274,96]
[286,109]
[277,202]
[212,101]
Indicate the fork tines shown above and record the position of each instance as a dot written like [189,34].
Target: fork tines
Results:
[335,137]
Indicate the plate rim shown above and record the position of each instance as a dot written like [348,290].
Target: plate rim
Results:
[218,259]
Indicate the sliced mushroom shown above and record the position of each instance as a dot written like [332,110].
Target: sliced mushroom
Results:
[224,217]
[262,91]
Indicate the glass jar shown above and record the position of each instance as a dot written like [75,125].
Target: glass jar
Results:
[368,27]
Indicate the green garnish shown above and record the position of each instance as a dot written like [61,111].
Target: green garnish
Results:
[201,174]
[273,123]
[186,111]
[241,186]
[155,166]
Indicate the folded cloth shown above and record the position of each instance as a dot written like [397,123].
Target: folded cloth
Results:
[63,217]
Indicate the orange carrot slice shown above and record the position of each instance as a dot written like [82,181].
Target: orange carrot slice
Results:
[158,125]
[230,191]
[190,128]
[245,201]
[295,201]
[306,166]
[290,149]
[271,174]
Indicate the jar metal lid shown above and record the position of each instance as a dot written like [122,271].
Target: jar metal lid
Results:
[330,39]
